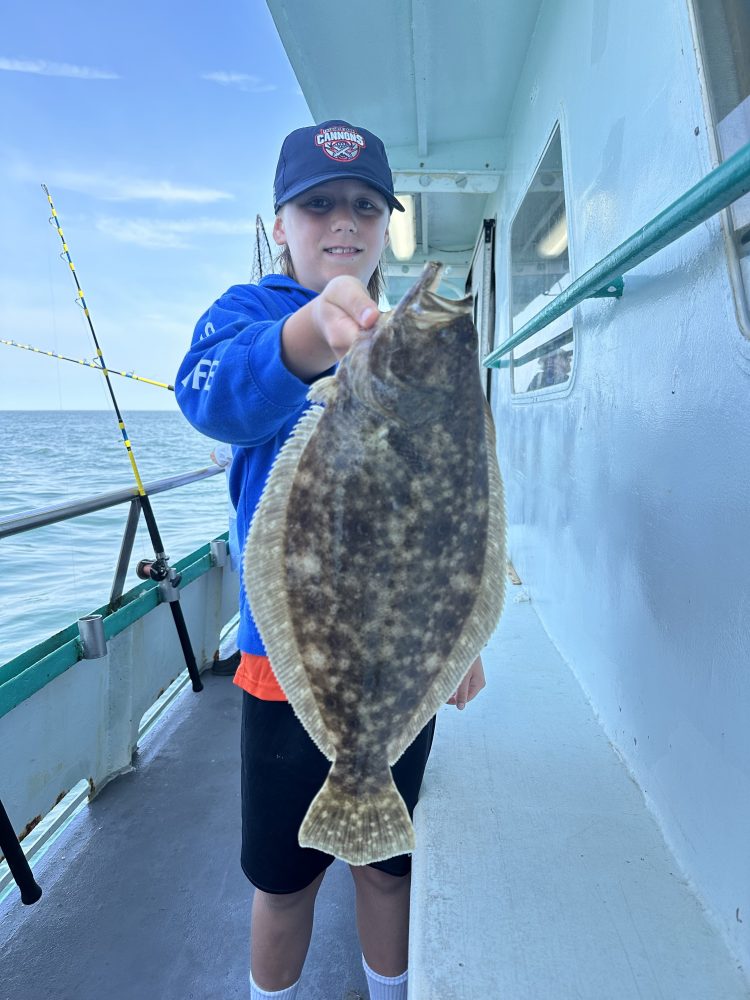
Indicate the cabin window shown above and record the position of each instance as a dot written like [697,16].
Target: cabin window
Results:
[723,29]
[480,284]
[540,270]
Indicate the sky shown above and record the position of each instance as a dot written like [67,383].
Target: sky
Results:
[156,127]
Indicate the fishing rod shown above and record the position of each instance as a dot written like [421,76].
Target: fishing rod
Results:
[159,569]
[88,364]
[17,863]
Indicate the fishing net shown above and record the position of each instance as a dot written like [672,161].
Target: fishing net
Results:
[262,262]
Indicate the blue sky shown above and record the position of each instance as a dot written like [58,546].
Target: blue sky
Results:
[156,127]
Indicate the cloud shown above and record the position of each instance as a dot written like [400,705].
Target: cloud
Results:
[176,234]
[110,188]
[242,81]
[43,68]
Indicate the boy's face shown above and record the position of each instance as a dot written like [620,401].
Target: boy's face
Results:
[339,227]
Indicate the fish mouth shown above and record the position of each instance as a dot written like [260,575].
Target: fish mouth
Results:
[425,304]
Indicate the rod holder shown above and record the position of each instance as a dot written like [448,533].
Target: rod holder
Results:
[219,552]
[169,592]
[91,630]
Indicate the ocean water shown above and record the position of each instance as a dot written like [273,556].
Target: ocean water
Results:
[51,576]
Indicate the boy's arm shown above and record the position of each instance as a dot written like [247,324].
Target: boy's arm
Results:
[232,384]
[246,373]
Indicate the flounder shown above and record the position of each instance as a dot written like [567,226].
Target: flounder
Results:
[375,562]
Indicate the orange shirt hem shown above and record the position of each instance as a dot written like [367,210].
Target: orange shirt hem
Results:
[255,676]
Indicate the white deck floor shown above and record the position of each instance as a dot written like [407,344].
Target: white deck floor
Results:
[543,875]
[144,897]
[540,872]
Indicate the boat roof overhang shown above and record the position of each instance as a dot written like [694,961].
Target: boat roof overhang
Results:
[436,81]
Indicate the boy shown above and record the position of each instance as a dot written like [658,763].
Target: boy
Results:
[245,380]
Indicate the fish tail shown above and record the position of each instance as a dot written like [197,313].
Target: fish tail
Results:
[358,827]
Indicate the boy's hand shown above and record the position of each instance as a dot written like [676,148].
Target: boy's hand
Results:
[341,310]
[321,332]
[470,686]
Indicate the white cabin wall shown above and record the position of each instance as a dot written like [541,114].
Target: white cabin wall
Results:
[628,495]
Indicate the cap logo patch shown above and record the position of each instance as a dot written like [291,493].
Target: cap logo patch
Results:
[340,144]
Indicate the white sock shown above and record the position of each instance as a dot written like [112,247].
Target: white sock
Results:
[385,987]
[290,993]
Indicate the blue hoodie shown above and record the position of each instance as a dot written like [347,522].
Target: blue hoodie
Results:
[233,386]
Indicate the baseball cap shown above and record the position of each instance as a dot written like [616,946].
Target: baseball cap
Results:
[327,152]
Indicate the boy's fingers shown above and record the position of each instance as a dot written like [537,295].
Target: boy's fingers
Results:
[342,333]
[476,684]
[350,295]
[368,316]
[361,309]
[470,686]
[462,694]
[341,328]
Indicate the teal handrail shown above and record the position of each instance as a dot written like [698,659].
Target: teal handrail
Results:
[715,191]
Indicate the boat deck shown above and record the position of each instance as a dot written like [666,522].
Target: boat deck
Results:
[144,897]
[546,877]
[543,875]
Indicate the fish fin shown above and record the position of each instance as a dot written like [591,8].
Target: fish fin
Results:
[265,582]
[485,614]
[358,827]
[324,390]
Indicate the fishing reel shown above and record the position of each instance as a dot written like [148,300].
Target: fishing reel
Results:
[158,570]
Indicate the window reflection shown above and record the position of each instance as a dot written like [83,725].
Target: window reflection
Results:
[540,270]
[724,44]
[554,369]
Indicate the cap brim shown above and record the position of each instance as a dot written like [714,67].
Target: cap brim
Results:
[311,182]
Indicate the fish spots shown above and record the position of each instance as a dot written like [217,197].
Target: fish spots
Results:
[382,530]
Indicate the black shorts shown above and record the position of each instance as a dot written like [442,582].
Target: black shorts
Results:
[282,771]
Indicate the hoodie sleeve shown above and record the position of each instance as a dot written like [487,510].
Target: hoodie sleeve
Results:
[232,385]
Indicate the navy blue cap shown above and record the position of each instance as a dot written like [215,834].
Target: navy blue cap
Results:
[328,152]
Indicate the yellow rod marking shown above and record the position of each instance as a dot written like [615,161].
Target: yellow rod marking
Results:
[88,364]
[141,490]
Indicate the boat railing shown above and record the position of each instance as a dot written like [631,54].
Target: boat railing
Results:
[71,714]
[717,190]
[14,524]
